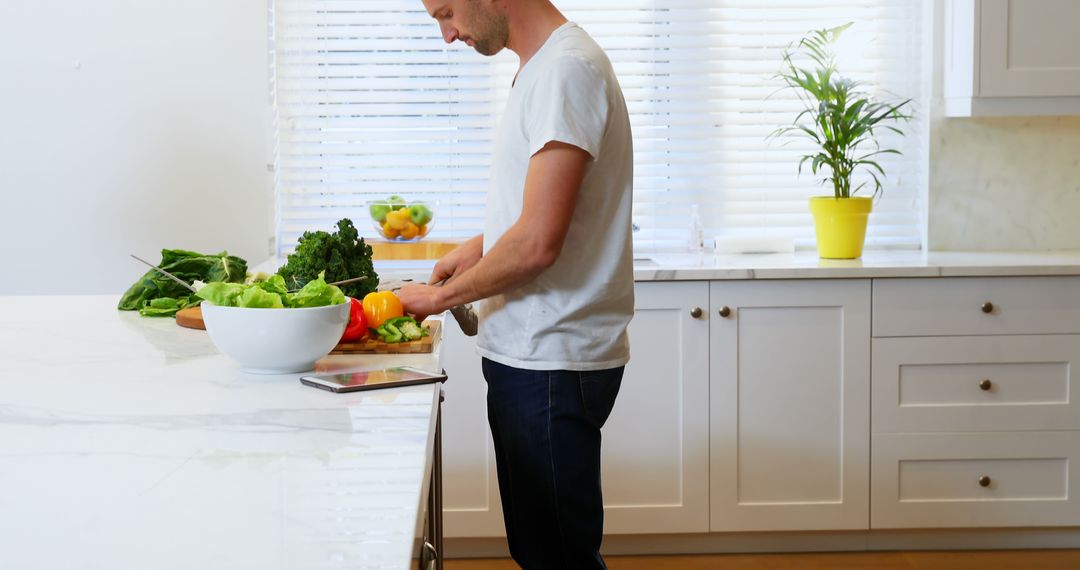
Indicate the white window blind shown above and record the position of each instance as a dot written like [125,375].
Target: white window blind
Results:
[370,102]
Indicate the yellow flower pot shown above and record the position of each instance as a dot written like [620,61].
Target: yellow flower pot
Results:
[840,224]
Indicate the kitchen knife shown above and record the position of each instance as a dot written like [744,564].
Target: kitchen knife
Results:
[165,273]
[465,315]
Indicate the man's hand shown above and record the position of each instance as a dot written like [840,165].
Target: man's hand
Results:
[421,301]
[526,250]
[458,260]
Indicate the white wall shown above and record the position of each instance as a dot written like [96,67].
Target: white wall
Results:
[129,126]
[1002,183]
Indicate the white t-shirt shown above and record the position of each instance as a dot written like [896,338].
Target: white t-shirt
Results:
[574,315]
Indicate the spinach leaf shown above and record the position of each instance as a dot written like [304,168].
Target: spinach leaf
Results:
[188,266]
[161,307]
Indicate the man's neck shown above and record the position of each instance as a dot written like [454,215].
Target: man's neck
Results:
[531,24]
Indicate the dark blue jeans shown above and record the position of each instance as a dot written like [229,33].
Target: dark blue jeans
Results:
[546,430]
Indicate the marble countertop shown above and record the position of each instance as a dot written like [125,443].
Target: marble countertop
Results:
[131,443]
[807,265]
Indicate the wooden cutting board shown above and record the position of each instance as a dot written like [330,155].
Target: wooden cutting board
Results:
[191,318]
[372,345]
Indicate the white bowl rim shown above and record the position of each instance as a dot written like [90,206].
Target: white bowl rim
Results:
[290,309]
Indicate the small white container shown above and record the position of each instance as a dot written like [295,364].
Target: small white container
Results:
[276,341]
[725,245]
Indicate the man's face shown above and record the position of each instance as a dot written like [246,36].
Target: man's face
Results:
[475,22]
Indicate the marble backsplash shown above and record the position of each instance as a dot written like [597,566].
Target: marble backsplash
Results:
[1004,184]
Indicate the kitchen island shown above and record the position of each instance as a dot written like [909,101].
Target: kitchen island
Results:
[128,443]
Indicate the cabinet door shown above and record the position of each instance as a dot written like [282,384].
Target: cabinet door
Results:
[655,452]
[1029,48]
[790,402]
[471,505]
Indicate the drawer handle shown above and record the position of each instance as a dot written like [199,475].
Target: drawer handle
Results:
[988,307]
[986,385]
[696,312]
[725,311]
[984,481]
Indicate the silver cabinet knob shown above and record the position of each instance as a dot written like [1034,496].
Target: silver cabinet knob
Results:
[725,311]
[696,312]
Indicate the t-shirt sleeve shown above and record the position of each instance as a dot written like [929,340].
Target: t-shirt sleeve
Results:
[569,105]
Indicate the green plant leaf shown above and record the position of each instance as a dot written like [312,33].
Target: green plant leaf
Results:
[837,115]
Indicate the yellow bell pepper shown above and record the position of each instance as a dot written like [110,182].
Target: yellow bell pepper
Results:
[380,307]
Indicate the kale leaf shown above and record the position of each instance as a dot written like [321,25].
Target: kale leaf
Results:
[341,255]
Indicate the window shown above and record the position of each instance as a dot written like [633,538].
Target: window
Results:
[370,102]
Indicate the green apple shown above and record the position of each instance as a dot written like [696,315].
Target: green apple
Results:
[396,202]
[379,211]
[420,214]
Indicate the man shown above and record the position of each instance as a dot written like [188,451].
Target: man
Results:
[554,270]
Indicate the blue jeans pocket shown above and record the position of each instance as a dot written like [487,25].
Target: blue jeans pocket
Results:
[598,391]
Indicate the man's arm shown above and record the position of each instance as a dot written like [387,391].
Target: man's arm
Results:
[529,247]
[457,261]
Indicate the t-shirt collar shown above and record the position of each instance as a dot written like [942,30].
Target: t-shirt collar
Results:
[550,40]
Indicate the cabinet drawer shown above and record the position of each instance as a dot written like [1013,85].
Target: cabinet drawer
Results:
[981,383]
[955,306]
[974,480]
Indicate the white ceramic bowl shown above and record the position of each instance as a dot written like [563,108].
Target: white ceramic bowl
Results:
[276,341]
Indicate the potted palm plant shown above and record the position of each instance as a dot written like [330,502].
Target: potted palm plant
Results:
[843,121]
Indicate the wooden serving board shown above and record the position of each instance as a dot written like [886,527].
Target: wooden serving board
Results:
[191,318]
[382,249]
[372,345]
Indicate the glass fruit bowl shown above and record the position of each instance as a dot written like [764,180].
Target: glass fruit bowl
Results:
[398,220]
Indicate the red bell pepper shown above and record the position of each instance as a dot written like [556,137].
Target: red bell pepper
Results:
[357,328]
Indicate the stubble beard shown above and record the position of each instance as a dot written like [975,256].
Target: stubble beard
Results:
[492,31]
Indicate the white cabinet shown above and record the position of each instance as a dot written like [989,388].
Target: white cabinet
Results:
[976,306]
[1011,57]
[974,419]
[655,448]
[975,383]
[470,488]
[754,414]
[656,442]
[975,479]
[790,405]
